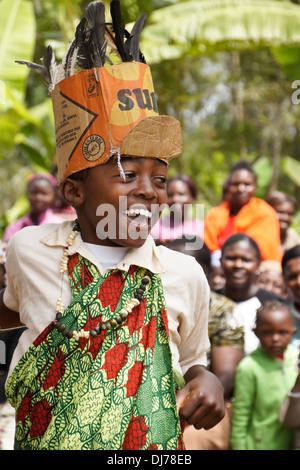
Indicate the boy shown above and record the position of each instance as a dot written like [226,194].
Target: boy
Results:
[99,374]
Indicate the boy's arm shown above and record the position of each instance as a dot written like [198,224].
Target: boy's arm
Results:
[9,319]
[201,400]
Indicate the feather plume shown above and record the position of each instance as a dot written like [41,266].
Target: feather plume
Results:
[69,62]
[82,46]
[42,69]
[50,65]
[134,39]
[89,48]
[118,29]
[95,14]
[36,67]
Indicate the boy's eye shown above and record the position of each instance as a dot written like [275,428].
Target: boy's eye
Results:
[129,175]
[161,179]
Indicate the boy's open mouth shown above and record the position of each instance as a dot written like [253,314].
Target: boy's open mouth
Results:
[139,217]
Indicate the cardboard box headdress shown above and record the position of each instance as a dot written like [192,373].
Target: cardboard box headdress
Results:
[103,97]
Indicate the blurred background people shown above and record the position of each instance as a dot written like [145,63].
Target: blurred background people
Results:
[61,207]
[215,277]
[285,207]
[182,193]
[240,262]
[291,274]
[262,382]
[241,212]
[270,278]
[41,195]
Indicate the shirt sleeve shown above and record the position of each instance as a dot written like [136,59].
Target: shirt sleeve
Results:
[186,293]
[193,327]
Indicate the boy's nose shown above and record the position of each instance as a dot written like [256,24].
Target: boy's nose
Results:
[145,188]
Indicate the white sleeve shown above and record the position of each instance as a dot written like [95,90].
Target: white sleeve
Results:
[193,327]
[187,296]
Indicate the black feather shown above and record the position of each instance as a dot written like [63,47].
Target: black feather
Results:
[135,35]
[118,29]
[81,42]
[69,57]
[36,67]
[96,33]
[47,61]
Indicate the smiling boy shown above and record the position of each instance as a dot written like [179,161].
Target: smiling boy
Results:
[98,368]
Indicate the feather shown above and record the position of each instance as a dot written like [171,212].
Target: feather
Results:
[48,60]
[37,68]
[111,45]
[95,26]
[50,65]
[118,29]
[95,44]
[81,42]
[134,45]
[70,59]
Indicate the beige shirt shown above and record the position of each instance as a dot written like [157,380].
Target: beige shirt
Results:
[34,285]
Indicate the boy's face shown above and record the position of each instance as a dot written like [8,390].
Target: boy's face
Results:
[118,212]
[275,331]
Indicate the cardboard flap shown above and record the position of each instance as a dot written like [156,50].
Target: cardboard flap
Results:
[157,136]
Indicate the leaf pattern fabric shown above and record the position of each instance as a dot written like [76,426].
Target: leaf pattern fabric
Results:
[112,392]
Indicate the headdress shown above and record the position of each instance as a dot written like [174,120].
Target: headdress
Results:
[103,97]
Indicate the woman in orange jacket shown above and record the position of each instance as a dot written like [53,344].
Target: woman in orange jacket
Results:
[242,212]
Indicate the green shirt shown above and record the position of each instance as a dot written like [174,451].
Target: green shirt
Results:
[261,384]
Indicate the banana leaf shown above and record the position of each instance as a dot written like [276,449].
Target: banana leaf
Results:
[195,27]
[17,40]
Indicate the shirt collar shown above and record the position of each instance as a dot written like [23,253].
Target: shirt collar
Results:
[145,256]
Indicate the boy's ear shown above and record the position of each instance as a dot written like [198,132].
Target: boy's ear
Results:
[73,192]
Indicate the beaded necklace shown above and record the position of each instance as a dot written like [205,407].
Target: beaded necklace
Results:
[119,319]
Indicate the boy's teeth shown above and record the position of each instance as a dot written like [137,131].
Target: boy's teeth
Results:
[135,212]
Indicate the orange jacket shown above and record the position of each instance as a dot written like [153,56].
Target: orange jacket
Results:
[256,219]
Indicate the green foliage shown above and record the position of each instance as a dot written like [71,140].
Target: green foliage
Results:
[197,27]
[17,39]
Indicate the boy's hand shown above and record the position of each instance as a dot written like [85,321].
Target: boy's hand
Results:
[201,400]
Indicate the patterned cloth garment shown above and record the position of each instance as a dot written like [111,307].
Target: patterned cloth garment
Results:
[114,391]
